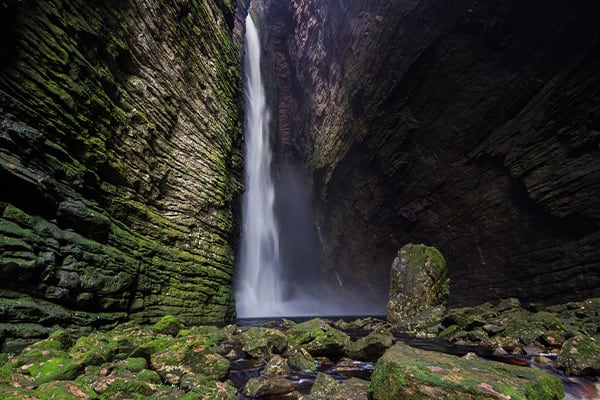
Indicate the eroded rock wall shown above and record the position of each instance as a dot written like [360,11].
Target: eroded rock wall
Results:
[120,162]
[471,126]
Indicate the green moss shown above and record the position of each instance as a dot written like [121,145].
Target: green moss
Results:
[168,325]
[54,369]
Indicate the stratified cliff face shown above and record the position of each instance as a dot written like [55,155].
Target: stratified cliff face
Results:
[119,162]
[472,126]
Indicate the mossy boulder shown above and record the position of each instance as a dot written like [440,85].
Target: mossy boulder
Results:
[418,281]
[277,365]
[372,346]
[121,379]
[405,372]
[95,349]
[301,360]
[54,369]
[168,325]
[192,356]
[262,342]
[264,386]
[319,338]
[324,387]
[580,356]
[67,390]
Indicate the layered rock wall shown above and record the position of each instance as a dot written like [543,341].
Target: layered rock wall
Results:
[119,162]
[472,126]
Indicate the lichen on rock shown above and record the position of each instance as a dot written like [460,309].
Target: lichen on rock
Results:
[419,287]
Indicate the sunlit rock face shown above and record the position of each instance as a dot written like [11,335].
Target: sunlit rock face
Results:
[120,162]
[470,126]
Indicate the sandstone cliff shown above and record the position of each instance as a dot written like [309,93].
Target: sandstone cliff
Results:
[120,162]
[472,126]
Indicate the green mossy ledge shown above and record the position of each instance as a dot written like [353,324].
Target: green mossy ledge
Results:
[120,163]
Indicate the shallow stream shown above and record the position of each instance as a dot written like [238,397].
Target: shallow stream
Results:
[242,369]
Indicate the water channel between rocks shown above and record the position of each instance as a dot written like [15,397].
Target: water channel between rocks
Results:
[343,368]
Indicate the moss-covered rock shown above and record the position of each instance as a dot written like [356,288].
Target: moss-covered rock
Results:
[191,355]
[264,386]
[53,369]
[580,355]
[263,342]
[301,360]
[67,390]
[277,365]
[372,346]
[418,282]
[324,387]
[318,338]
[168,325]
[406,372]
[100,140]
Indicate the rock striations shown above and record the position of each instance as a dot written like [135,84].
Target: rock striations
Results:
[120,162]
[472,126]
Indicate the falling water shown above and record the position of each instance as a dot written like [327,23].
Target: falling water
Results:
[258,290]
[278,274]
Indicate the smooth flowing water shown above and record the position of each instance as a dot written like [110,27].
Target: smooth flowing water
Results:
[278,272]
[258,291]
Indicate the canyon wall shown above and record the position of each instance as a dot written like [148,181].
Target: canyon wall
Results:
[120,162]
[468,125]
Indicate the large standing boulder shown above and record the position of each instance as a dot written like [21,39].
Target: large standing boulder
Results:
[418,285]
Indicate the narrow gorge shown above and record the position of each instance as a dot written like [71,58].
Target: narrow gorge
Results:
[470,126]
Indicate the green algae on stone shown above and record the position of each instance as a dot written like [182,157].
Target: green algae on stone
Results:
[168,325]
[325,387]
[580,355]
[406,372]
[418,282]
[318,338]
[263,342]
[53,369]
[67,390]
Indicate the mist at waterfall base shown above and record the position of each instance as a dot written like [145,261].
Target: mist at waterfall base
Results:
[278,271]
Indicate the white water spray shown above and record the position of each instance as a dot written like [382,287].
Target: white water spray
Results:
[270,284]
[258,284]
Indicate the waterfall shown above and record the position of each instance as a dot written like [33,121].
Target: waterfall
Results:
[268,283]
[258,291]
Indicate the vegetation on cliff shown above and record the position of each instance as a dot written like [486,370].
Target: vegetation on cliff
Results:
[120,162]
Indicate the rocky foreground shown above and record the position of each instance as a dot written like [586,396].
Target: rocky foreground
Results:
[169,360]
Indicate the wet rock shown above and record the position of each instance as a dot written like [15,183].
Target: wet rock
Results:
[324,387]
[301,360]
[277,365]
[267,386]
[406,372]
[352,389]
[580,356]
[263,342]
[318,338]
[418,282]
[370,347]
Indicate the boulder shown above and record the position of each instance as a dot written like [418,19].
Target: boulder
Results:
[580,356]
[404,372]
[190,356]
[168,325]
[372,346]
[267,386]
[418,282]
[319,338]
[263,342]
[277,365]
